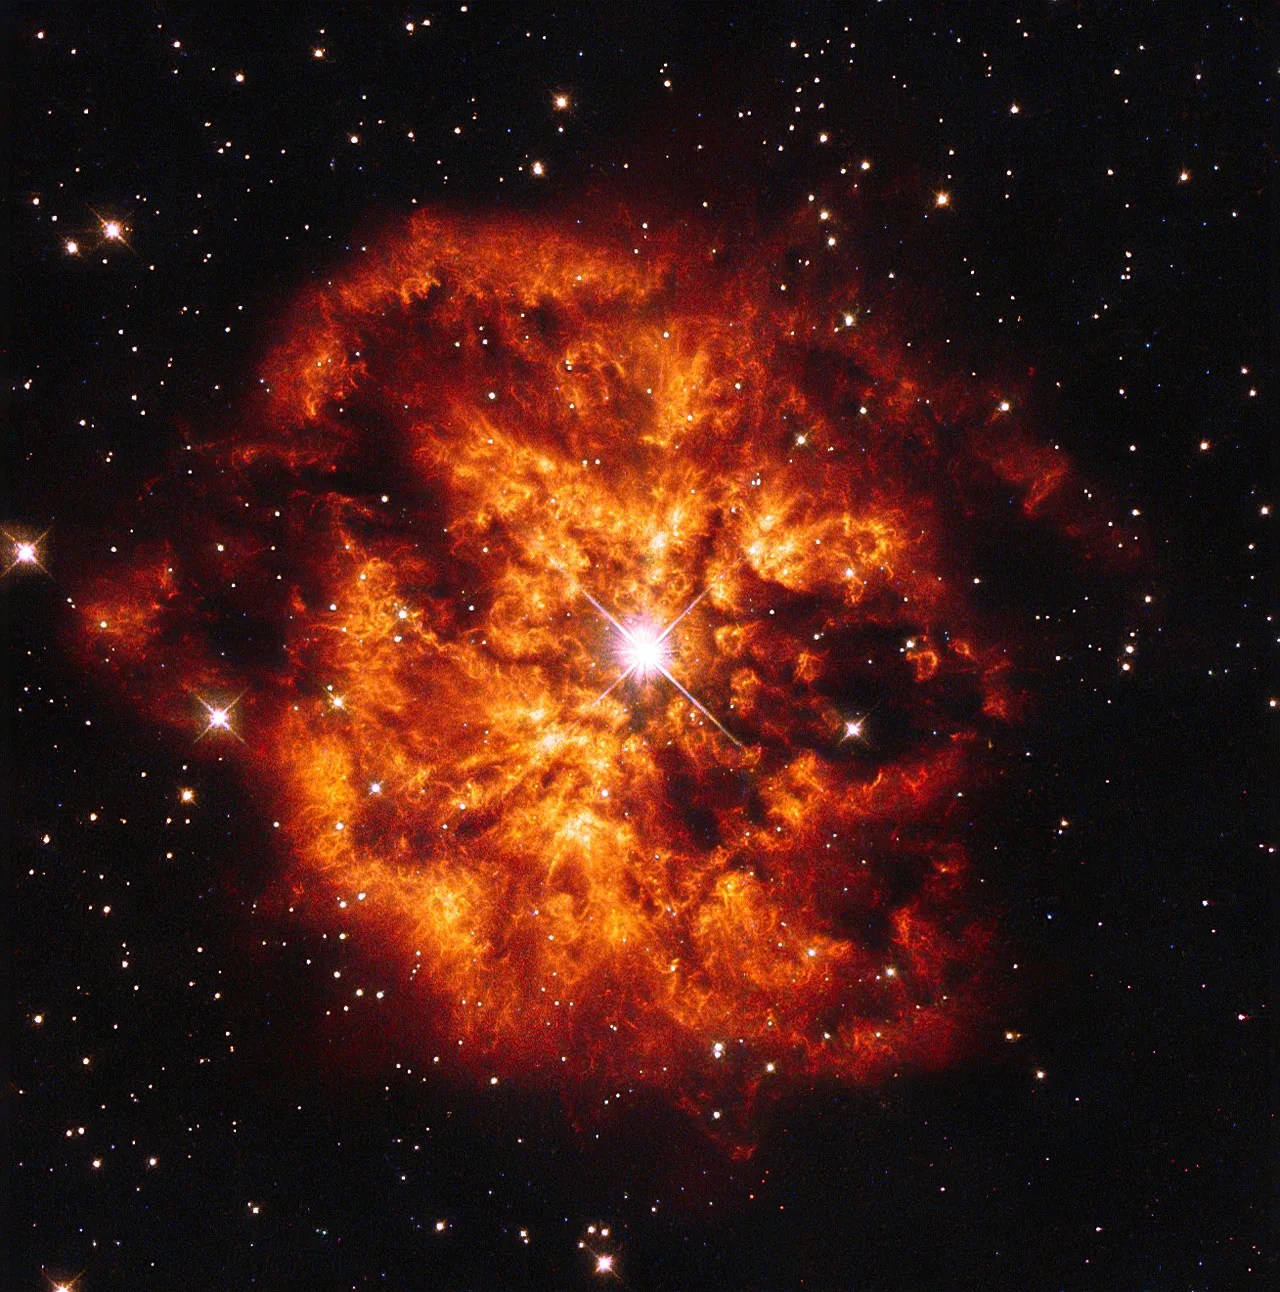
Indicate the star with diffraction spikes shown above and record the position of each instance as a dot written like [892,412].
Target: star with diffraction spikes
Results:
[25,553]
[111,229]
[218,718]
[645,651]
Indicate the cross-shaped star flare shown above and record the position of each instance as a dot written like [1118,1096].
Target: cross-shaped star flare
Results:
[645,651]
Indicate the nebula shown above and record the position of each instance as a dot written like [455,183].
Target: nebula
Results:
[595,612]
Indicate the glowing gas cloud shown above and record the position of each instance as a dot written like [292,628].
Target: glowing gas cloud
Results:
[595,613]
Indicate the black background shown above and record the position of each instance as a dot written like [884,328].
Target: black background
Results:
[290,1150]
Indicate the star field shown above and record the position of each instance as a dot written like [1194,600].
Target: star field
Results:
[994,288]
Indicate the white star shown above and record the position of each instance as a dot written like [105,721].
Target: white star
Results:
[645,652]
[24,552]
[218,718]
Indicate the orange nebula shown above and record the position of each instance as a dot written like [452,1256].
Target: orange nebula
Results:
[743,864]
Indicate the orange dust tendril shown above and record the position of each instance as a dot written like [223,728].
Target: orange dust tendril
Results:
[595,613]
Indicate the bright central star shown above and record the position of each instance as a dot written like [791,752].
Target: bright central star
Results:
[644,651]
